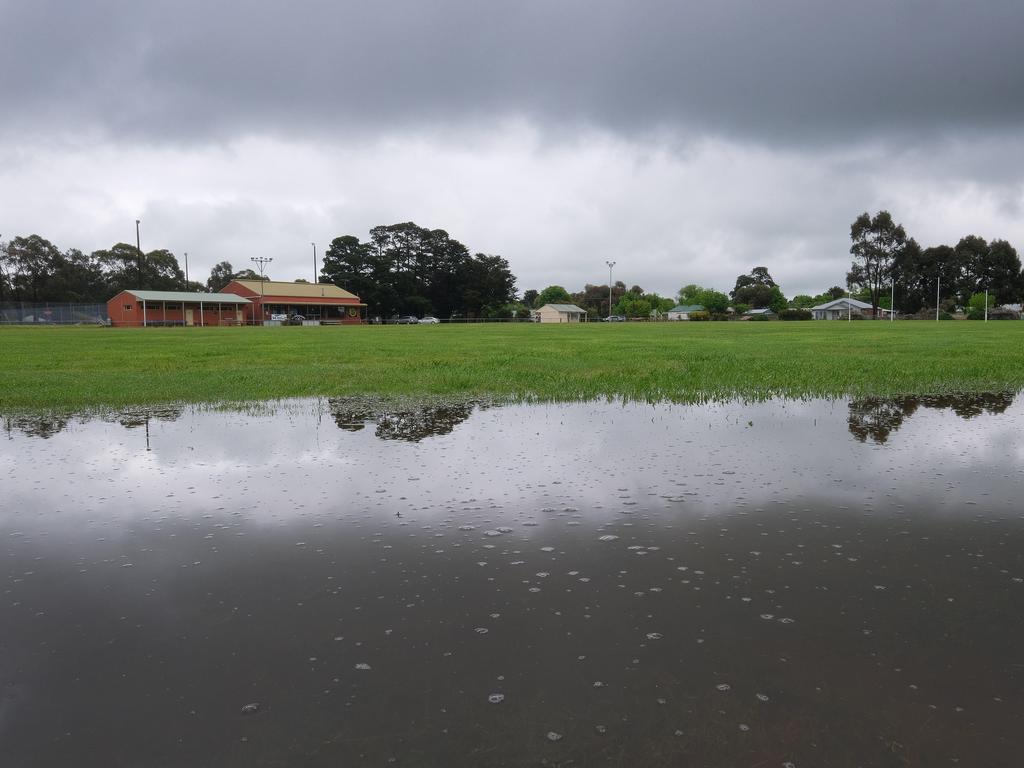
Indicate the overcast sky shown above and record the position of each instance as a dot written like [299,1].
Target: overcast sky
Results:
[687,141]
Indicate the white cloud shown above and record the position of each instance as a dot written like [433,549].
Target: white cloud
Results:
[556,207]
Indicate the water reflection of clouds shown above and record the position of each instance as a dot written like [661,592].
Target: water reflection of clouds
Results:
[607,458]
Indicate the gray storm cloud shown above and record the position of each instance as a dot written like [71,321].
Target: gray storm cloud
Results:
[781,71]
[689,141]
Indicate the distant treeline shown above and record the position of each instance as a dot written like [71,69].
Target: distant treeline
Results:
[32,269]
[403,268]
[408,269]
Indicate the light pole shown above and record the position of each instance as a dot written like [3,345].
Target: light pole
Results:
[138,249]
[261,261]
[892,298]
[938,282]
[610,265]
[315,280]
[186,269]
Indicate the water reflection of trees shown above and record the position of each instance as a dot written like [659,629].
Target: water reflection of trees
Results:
[46,425]
[410,423]
[35,426]
[141,416]
[878,417]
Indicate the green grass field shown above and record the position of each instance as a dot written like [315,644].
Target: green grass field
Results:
[80,368]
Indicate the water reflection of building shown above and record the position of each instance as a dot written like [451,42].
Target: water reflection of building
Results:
[410,423]
[878,417]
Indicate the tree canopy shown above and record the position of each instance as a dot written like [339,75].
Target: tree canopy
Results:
[553,294]
[758,290]
[408,269]
[32,269]
[877,243]
[712,300]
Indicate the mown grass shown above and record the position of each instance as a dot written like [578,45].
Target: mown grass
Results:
[76,368]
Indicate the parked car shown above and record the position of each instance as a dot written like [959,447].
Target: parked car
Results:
[407,320]
[429,320]
[615,319]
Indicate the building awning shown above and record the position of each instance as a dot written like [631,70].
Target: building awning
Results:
[189,297]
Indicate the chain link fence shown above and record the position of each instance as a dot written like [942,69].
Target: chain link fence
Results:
[27,313]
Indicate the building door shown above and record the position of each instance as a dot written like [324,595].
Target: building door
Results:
[188,317]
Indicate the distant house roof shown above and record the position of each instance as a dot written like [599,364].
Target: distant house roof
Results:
[842,303]
[188,296]
[570,308]
[761,311]
[687,308]
[298,290]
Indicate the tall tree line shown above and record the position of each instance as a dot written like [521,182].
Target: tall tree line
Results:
[32,269]
[941,275]
[408,269]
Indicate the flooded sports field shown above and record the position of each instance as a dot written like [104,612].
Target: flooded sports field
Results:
[347,583]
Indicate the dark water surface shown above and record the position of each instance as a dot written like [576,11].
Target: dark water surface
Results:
[789,583]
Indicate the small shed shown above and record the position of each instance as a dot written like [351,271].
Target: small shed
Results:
[131,308]
[682,311]
[559,313]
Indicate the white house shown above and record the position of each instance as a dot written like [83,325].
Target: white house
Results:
[682,311]
[559,313]
[840,309]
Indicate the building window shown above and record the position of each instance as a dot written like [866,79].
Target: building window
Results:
[127,307]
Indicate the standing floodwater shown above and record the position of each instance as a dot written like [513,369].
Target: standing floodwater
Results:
[336,583]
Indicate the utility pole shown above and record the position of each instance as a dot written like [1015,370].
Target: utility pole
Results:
[138,248]
[315,279]
[610,265]
[186,269]
[938,282]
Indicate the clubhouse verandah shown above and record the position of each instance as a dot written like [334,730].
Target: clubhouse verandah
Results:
[323,303]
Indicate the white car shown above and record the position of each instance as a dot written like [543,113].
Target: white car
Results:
[429,320]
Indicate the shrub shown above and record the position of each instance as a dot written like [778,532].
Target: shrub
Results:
[720,316]
[758,318]
[995,313]
[699,316]
[795,314]
[929,314]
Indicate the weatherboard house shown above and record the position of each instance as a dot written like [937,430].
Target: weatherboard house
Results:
[841,309]
[559,313]
[683,311]
[318,303]
[131,308]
